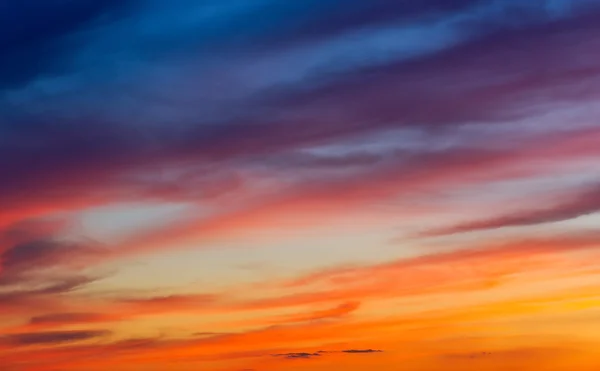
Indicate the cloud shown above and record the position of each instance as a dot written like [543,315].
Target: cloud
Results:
[210,334]
[37,268]
[41,254]
[51,338]
[479,267]
[475,267]
[298,355]
[540,354]
[27,36]
[581,203]
[267,341]
[42,140]
[44,293]
[29,230]
[315,109]
[170,303]
[400,174]
[64,285]
[422,170]
[55,319]
[305,355]
[362,351]
[340,291]
[191,28]
[337,312]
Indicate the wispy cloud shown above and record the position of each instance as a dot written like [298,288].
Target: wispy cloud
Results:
[298,355]
[51,338]
[304,355]
[584,202]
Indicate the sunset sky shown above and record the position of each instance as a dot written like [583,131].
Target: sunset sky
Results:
[299,185]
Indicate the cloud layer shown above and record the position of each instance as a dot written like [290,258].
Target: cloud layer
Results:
[370,164]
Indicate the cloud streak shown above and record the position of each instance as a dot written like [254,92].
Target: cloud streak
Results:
[51,338]
[304,355]
[584,202]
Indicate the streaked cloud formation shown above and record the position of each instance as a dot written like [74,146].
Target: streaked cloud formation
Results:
[209,183]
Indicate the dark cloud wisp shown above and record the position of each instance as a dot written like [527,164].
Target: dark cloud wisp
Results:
[309,355]
[584,202]
[52,338]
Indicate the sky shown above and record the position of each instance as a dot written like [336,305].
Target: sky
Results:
[299,185]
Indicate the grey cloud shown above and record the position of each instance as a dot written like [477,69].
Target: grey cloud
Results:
[43,254]
[362,351]
[66,318]
[52,338]
[297,355]
[585,201]
[27,292]
[308,355]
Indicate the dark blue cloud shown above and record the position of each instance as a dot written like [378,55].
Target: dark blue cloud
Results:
[36,36]
[92,91]
[100,41]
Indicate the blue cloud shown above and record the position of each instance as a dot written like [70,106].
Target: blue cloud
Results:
[92,89]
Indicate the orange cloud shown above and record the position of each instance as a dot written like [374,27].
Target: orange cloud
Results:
[466,271]
[304,205]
